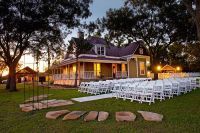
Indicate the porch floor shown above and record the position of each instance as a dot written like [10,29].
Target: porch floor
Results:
[92,98]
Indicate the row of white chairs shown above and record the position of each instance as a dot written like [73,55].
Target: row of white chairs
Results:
[107,86]
[148,91]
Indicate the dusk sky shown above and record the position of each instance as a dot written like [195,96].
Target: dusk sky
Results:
[98,9]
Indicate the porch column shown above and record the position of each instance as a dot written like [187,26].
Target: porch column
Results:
[79,70]
[128,68]
[137,67]
[121,71]
[68,71]
[61,72]
[83,70]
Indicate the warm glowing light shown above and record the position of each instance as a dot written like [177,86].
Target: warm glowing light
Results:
[74,68]
[148,72]
[178,68]
[97,69]
[158,68]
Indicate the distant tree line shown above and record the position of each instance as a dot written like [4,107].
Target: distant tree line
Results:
[169,28]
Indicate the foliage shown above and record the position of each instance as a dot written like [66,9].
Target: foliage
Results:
[76,47]
[177,56]
[158,23]
[193,7]
[36,25]
[2,67]
[193,51]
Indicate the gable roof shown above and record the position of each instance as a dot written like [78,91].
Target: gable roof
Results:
[26,70]
[112,50]
[168,68]
[113,53]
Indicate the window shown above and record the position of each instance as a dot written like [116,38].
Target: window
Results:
[97,69]
[141,51]
[142,68]
[74,68]
[123,68]
[100,50]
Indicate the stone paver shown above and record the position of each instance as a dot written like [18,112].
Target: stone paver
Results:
[92,115]
[58,103]
[74,115]
[38,98]
[56,114]
[125,116]
[150,116]
[28,109]
[32,106]
[43,104]
[47,101]
[103,116]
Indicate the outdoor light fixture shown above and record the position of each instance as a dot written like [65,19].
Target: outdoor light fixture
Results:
[178,68]
[148,73]
[158,68]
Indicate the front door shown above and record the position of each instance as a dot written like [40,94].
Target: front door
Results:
[114,70]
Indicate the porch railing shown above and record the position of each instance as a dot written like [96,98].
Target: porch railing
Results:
[86,75]
[121,74]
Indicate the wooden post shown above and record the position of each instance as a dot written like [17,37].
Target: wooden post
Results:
[79,70]
[69,70]
[83,70]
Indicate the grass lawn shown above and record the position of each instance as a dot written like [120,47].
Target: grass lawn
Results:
[181,114]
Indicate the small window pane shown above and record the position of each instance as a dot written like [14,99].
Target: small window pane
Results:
[98,50]
[142,68]
[102,50]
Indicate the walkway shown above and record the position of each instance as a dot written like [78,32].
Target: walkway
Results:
[92,98]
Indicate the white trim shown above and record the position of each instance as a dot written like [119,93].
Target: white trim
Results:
[83,69]
[90,55]
[137,67]
[144,69]
[102,61]
[128,61]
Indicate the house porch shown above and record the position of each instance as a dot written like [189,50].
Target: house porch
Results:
[88,71]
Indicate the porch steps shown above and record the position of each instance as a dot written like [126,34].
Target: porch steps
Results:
[92,98]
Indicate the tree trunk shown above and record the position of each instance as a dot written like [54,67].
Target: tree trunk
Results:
[76,73]
[197,23]
[0,78]
[154,64]
[11,83]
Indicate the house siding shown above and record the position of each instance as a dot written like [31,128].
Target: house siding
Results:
[132,68]
[142,60]
[89,66]
[106,70]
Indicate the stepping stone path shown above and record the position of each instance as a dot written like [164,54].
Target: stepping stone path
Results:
[125,116]
[38,98]
[59,103]
[92,115]
[74,115]
[150,116]
[55,114]
[28,107]
[103,116]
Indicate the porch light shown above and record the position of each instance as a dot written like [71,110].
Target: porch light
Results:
[158,68]
[148,72]
[178,68]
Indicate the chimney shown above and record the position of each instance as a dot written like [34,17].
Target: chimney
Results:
[80,34]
